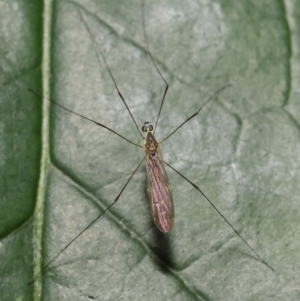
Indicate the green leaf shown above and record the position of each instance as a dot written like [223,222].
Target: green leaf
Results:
[59,171]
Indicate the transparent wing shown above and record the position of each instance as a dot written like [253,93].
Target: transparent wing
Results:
[159,192]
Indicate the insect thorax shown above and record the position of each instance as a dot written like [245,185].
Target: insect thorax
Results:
[150,144]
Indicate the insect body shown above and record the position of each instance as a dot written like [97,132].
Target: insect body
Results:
[159,191]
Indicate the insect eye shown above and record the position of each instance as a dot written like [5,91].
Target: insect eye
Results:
[147,127]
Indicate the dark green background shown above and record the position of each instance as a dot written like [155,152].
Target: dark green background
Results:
[242,150]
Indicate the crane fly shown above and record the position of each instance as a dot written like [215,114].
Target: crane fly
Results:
[158,189]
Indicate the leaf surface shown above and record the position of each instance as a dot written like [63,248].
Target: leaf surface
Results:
[241,150]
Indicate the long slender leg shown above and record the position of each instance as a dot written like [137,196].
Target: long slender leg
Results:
[46,267]
[151,57]
[224,218]
[195,114]
[91,120]
[98,50]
